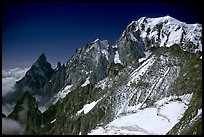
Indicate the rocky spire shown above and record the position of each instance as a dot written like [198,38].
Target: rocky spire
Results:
[41,59]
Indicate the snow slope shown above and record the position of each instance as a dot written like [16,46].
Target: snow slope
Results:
[157,120]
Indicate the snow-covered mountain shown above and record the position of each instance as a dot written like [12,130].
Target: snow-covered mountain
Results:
[148,82]
[164,31]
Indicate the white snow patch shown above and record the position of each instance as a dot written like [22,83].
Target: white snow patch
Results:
[143,34]
[62,93]
[95,40]
[86,82]
[173,111]
[147,54]
[174,37]
[116,58]
[86,108]
[65,91]
[199,112]
[53,121]
[115,46]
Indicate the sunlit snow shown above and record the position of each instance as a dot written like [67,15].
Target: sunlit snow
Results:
[62,93]
[147,54]
[86,82]
[117,58]
[86,108]
[53,121]
[95,40]
[158,119]
[174,37]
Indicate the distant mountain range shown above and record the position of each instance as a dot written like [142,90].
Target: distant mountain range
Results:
[148,82]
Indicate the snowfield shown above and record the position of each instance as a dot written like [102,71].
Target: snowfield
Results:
[155,120]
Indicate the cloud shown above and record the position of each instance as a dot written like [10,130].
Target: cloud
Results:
[11,127]
[9,78]
[8,84]
[7,109]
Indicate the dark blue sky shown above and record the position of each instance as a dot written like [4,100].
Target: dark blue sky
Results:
[57,29]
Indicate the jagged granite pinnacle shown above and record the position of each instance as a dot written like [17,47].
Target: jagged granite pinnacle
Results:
[42,58]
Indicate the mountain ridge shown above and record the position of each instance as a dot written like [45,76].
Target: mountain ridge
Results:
[103,83]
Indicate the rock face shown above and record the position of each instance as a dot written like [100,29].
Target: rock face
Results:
[55,83]
[154,68]
[90,61]
[39,74]
[33,81]
[3,116]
